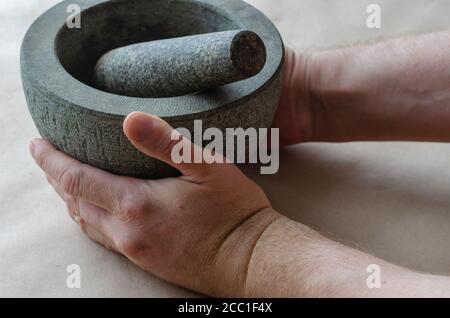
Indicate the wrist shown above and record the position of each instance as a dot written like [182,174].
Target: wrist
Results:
[280,265]
[329,91]
[231,264]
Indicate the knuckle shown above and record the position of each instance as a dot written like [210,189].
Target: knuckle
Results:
[72,207]
[180,204]
[71,181]
[132,208]
[83,227]
[131,247]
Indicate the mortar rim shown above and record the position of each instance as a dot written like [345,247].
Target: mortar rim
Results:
[52,77]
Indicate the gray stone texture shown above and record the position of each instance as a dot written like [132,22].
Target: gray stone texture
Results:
[58,63]
[181,66]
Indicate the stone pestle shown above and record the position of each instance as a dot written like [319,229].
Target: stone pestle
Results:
[180,66]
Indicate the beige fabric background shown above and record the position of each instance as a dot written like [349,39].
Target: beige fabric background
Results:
[389,199]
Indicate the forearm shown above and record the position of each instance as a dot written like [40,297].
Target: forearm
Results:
[393,90]
[292,260]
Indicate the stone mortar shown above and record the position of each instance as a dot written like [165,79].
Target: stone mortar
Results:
[57,65]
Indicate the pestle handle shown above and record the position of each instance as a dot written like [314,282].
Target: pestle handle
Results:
[181,66]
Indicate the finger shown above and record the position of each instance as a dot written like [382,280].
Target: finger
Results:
[70,201]
[97,236]
[92,220]
[96,217]
[74,208]
[76,179]
[57,189]
[156,138]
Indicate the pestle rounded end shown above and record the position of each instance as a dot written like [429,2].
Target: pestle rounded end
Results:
[248,53]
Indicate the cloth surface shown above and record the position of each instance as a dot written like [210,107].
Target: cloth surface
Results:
[389,199]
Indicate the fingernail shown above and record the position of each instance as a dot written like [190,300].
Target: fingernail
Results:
[141,127]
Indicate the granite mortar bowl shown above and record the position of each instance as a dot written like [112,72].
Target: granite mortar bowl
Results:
[57,66]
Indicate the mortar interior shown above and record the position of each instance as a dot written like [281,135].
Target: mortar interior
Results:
[116,24]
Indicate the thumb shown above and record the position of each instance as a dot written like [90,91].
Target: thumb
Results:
[156,138]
